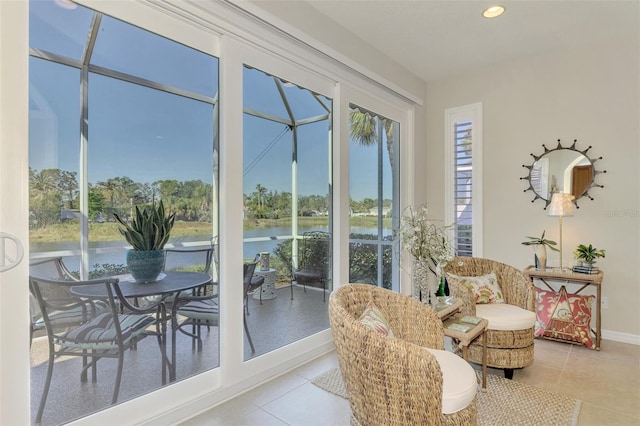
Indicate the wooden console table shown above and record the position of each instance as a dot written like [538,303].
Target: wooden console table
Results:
[576,278]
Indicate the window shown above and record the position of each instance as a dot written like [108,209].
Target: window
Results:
[374,151]
[463,152]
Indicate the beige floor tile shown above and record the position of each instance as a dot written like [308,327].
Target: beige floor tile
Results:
[540,376]
[550,356]
[313,369]
[613,371]
[593,415]
[309,405]
[603,393]
[274,389]
[257,417]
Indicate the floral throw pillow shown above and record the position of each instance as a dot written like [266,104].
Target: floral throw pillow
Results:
[571,319]
[485,288]
[546,302]
[376,320]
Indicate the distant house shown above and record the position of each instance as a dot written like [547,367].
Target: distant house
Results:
[386,211]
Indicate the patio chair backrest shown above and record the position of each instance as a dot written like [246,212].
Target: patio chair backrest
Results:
[188,258]
[248,270]
[47,293]
[55,269]
[316,251]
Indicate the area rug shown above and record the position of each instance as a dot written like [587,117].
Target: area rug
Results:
[505,402]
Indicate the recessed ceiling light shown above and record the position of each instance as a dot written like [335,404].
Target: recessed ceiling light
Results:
[493,11]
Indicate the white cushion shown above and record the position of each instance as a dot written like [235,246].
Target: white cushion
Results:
[459,383]
[506,317]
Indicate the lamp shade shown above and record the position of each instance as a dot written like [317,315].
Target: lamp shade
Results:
[561,204]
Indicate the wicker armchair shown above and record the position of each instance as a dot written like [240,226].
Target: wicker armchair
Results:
[507,349]
[392,381]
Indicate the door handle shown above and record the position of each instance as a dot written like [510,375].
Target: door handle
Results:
[7,262]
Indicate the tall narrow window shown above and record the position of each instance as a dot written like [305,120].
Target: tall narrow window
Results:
[464,178]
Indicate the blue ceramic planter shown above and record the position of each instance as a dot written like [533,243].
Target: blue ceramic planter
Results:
[145,266]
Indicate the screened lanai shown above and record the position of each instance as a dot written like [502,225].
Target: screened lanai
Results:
[121,117]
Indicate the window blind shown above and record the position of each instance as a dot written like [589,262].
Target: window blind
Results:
[463,205]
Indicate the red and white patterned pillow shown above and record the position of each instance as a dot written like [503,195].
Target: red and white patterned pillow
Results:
[564,316]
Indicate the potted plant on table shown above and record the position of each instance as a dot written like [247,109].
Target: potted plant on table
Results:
[540,245]
[147,233]
[587,254]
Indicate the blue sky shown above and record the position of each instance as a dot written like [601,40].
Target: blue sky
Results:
[171,134]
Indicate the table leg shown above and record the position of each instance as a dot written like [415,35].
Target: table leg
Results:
[172,363]
[484,358]
[598,317]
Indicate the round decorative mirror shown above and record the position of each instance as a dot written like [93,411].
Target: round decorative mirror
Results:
[562,169]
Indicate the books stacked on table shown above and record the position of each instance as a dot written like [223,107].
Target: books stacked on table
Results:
[586,269]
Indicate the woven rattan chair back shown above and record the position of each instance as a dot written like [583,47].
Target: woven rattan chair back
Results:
[391,381]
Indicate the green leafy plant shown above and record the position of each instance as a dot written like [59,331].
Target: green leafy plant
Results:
[149,229]
[587,253]
[536,241]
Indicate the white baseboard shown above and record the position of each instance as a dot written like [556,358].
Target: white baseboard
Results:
[616,336]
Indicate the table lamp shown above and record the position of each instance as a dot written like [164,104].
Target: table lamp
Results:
[561,205]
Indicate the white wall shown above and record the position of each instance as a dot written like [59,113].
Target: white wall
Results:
[590,94]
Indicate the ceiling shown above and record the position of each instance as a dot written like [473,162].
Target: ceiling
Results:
[435,39]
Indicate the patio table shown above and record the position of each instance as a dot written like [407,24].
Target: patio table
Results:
[169,283]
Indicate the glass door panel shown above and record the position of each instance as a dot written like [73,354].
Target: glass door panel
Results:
[286,185]
[374,194]
[143,130]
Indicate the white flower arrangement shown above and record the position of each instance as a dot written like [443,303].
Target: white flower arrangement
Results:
[424,240]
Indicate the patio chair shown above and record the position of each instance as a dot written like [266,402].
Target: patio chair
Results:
[393,363]
[55,269]
[177,259]
[94,335]
[313,261]
[255,284]
[204,310]
[510,332]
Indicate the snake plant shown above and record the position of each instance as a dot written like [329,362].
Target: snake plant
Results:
[149,229]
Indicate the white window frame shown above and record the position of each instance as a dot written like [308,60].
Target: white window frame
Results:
[473,113]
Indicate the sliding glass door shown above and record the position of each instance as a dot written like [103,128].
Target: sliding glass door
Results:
[119,118]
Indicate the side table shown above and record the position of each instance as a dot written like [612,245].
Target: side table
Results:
[572,277]
[268,287]
[466,337]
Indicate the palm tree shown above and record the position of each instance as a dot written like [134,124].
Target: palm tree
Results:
[364,130]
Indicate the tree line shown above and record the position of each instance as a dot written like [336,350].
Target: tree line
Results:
[54,191]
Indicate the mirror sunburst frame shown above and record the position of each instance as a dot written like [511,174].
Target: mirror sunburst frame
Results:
[563,168]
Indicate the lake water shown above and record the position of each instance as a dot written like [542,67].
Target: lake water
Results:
[112,252]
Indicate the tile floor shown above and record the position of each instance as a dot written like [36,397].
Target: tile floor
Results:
[607,382]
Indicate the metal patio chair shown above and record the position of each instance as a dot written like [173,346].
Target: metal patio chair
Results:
[93,335]
[313,261]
